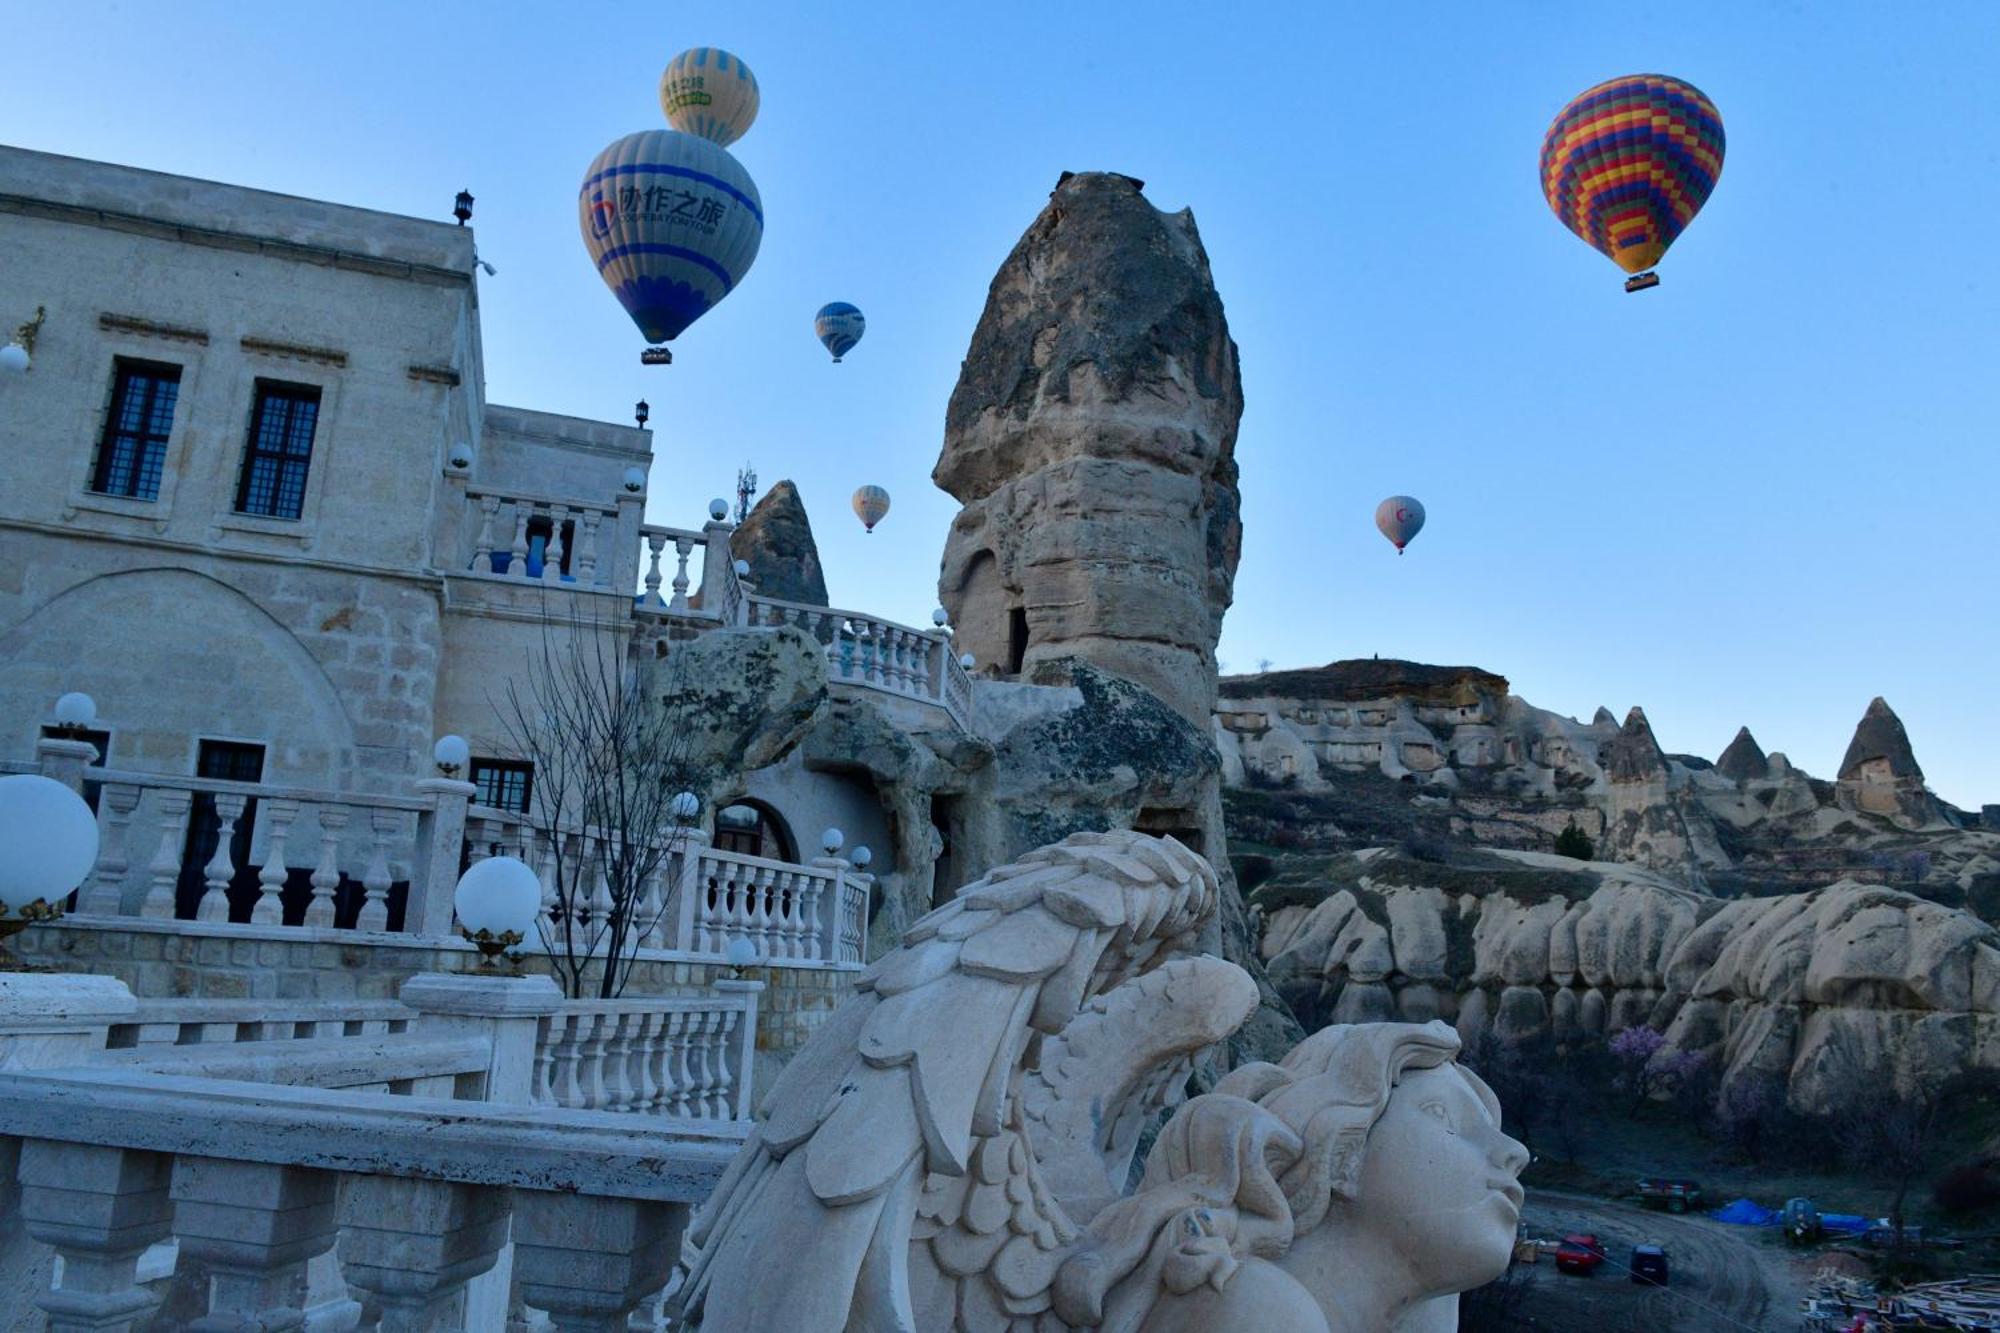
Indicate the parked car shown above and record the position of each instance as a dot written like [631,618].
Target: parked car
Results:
[1676,1196]
[1649,1264]
[1580,1253]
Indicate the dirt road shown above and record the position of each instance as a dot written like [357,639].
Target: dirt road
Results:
[1724,1279]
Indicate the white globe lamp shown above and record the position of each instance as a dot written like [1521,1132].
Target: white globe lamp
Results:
[14,359]
[742,568]
[635,479]
[49,839]
[496,901]
[685,807]
[718,509]
[740,952]
[968,661]
[451,754]
[75,711]
[461,456]
[832,841]
[940,618]
[860,858]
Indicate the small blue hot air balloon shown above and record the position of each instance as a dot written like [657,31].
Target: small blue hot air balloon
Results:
[839,326]
[672,222]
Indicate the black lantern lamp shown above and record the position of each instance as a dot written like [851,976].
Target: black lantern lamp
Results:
[640,412]
[461,207]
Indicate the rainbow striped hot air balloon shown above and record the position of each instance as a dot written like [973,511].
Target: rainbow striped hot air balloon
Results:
[1400,518]
[672,222]
[1628,164]
[708,92]
[870,504]
[839,326]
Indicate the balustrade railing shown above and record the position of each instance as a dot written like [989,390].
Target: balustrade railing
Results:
[526,538]
[698,899]
[313,858]
[876,653]
[683,1056]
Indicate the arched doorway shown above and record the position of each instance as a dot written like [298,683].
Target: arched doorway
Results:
[751,828]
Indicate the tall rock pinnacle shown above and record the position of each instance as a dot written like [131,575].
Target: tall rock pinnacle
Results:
[1744,758]
[1091,439]
[1879,773]
[776,540]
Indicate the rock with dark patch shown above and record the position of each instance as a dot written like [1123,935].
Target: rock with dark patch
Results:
[776,540]
[1091,439]
[1879,739]
[1635,755]
[1744,759]
[742,698]
[1363,678]
[1879,774]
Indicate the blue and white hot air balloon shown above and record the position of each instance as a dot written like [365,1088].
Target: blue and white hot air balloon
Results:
[672,222]
[709,92]
[839,326]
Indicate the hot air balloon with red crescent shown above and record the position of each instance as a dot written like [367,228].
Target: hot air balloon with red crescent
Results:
[1400,518]
[1628,164]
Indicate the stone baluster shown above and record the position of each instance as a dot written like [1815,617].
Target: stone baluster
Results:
[270,908]
[589,1261]
[254,1226]
[412,1245]
[596,1030]
[710,1077]
[554,548]
[482,546]
[679,1066]
[440,837]
[650,920]
[778,927]
[568,1047]
[221,868]
[743,1046]
[584,567]
[620,1087]
[541,1083]
[656,542]
[326,875]
[601,904]
[722,1098]
[683,548]
[99,1208]
[646,1065]
[517,554]
[375,881]
[104,893]
[824,907]
[545,869]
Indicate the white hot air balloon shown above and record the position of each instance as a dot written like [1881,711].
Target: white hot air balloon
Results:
[870,504]
[673,223]
[1400,518]
[709,92]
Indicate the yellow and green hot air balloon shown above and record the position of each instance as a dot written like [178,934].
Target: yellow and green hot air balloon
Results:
[708,92]
[1628,164]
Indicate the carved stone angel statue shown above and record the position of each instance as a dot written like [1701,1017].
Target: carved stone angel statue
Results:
[952,1150]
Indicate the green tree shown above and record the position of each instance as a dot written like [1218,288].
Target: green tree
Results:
[1574,842]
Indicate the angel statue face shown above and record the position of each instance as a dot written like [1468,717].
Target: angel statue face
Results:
[1359,1185]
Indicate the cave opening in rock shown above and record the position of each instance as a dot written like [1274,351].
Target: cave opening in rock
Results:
[1017,639]
[944,877]
[1179,825]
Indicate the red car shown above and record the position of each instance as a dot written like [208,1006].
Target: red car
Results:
[1580,1253]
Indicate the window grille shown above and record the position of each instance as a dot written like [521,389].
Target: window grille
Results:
[280,451]
[134,447]
[504,784]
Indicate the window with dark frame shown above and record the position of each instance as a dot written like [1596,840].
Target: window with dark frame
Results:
[134,446]
[504,784]
[279,452]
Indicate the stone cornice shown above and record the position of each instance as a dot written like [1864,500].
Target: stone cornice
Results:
[298,252]
[148,328]
[325,356]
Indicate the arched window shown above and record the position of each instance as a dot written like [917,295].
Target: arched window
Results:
[751,828]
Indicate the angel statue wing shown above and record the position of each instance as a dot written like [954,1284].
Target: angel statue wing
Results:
[1040,1008]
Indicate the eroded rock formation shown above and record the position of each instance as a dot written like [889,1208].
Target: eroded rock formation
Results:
[776,540]
[1091,438]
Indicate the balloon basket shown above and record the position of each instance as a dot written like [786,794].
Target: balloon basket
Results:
[656,356]
[1639,282]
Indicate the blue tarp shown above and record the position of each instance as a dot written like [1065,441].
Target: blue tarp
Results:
[1744,1213]
[1853,1223]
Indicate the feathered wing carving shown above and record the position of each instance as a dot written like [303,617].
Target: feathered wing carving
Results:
[907,1109]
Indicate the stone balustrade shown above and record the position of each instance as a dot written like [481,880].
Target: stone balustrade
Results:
[524,538]
[686,1057]
[877,654]
[721,594]
[319,1199]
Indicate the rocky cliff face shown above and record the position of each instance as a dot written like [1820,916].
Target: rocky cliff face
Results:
[1091,439]
[776,540]
[1824,991]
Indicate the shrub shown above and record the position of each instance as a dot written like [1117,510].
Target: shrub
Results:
[1967,1188]
[1574,842]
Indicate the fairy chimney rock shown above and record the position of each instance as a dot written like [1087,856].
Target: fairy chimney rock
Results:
[1634,755]
[1744,759]
[1091,440]
[776,541]
[1879,774]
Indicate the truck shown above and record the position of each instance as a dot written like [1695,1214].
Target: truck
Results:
[1676,1196]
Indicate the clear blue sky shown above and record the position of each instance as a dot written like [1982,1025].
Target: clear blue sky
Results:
[1762,493]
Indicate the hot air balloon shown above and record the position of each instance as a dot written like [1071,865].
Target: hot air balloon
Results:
[1401,518]
[839,326]
[709,92]
[1628,164]
[673,223]
[870,503]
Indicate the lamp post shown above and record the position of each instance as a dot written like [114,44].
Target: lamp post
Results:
[48,843]
[461,207]
[641,412]
[496,901]
[75,712]
[17,356]
[635,479]
[832,841]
